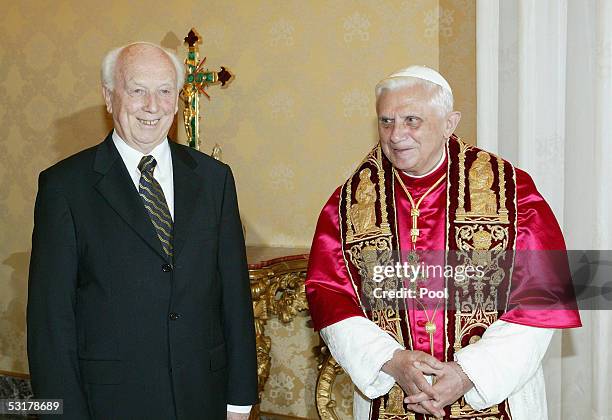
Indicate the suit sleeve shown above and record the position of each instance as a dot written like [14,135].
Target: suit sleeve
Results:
[51,321]
[238,324]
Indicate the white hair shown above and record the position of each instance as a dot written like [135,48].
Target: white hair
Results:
[109,63]
[440,98]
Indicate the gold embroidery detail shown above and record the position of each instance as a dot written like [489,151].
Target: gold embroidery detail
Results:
[395,405]
[475,338]
[482,244]
[349,226]
[482,198]
[463,147]
[462,410]
[484,204]
[503,211]
[362,214]
[371,245]
[364,256]
[482,240]
[384,225]
[388,319]
[475,308]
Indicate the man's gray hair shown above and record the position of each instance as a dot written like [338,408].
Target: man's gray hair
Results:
[109,63]
[440,98]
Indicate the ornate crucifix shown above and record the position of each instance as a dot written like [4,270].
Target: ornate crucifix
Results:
[197,79]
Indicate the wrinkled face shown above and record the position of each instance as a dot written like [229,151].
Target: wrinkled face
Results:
[412,132]
[144,99]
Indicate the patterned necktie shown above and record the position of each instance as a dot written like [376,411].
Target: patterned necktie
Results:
[155,202]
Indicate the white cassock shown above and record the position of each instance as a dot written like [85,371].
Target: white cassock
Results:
[506,363]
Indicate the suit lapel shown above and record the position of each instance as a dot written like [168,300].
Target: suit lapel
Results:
[117,187]
[187,188]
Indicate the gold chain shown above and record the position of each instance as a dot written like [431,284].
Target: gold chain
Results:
[414,210]
[430,326]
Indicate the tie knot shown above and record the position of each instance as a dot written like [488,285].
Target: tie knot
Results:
[147,164]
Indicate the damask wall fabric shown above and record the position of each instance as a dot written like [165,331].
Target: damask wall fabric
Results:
[293,124]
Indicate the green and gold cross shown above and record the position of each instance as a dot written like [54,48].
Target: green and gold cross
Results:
[197,79]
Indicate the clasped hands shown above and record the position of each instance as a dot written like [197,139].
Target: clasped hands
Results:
[409,368]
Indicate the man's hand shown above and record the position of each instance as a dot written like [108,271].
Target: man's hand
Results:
[411,379]
[237,416]
[451,384]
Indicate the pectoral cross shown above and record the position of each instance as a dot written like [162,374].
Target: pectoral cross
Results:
[196,81]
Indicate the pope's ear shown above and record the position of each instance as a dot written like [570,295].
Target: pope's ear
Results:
[452,121]
[108,98]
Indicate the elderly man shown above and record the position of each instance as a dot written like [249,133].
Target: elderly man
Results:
[468,347]
[139,301]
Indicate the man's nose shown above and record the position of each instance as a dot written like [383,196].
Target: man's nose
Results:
[151,104]
[398,133]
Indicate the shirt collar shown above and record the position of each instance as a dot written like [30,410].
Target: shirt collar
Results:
[132,157]
[434,169]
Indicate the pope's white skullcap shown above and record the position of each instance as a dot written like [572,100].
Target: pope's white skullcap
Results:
[424,73]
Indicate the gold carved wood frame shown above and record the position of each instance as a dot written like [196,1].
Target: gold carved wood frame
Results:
[277,288]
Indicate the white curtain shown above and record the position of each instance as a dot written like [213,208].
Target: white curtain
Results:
[545,103]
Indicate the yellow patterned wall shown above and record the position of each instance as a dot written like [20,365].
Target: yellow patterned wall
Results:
[293,124]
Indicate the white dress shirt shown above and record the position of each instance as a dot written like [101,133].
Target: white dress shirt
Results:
[162,172]
[164,175]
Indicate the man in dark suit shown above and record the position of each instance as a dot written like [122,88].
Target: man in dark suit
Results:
[139,301]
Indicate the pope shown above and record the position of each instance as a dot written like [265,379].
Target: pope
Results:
[424,196]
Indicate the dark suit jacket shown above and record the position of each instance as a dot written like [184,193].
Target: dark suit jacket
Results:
[116,329]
